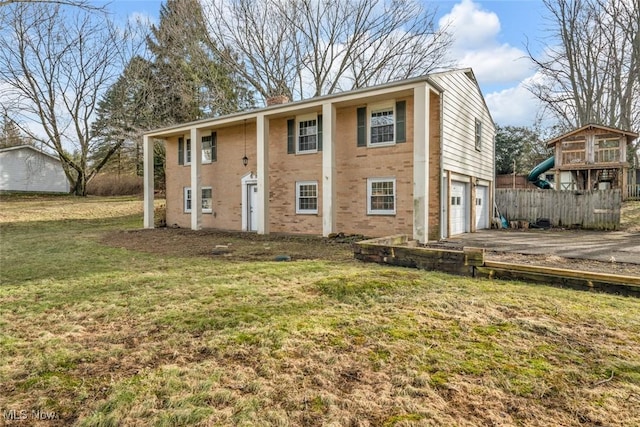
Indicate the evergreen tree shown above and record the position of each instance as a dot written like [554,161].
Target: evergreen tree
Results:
[124,113]
[192,80]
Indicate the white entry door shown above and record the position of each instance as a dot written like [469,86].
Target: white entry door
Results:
[458,206]
[252,207]
[482,207]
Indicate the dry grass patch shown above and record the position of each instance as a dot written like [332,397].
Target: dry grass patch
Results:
[34,207]
[630,217]
[105,335]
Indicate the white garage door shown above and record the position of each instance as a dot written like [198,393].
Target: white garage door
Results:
[482,207]
[458,205]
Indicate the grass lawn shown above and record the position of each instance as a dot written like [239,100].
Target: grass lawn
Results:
[96,335]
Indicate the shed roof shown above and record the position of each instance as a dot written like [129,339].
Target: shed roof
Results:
[590,126]
[29,147]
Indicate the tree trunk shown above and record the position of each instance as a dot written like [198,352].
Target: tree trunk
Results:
[80,186]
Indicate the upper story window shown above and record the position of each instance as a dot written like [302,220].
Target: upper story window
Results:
[304,134]
[307,135]
[209,149]
[381,124]
[478,135]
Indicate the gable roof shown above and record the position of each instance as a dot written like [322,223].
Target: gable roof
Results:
[468,72]
[590,126]
[316,101]
[29,147]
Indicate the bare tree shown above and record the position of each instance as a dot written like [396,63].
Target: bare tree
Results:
[56,62]
[78,3]
[10,135]
[303,48]
[591,71]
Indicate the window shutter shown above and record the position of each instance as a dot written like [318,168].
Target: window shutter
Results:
[401,127]
[319,132]
[362,126]
[181,151]
[214,147]
[291,136]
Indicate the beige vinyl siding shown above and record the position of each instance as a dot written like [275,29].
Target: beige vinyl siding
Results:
[463,104]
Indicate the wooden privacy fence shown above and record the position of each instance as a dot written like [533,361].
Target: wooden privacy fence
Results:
[598,209]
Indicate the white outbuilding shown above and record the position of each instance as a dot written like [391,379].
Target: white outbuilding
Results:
[25,168]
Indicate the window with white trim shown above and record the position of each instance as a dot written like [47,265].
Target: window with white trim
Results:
[307,140]
[381,196]
[206,197]
[307,197]
[382,124]
[207,149]
[478,135]
[187,152]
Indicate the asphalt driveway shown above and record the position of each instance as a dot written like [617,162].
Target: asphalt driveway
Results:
[615,246]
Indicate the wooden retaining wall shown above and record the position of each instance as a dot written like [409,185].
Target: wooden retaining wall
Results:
[398,250]
[597,210]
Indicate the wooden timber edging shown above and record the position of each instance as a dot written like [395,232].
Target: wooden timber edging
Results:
[399,250]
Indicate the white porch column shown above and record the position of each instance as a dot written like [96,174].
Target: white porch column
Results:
[262,140]
[421,163]
[147,155]
[328,169]
[196,185]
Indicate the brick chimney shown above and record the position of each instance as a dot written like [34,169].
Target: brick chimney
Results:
[276,100]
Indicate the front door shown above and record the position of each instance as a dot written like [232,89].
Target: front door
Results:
[252,207]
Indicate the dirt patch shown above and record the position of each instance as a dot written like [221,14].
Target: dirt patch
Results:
[233,246]
[242,247]
[620,268]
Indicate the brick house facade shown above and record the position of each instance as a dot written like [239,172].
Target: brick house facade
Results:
[412,157]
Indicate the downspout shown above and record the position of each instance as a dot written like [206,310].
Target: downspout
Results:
[443,210]
[443,200]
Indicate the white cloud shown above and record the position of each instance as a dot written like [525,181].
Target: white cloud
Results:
[471,26]
[515,106]
[498,64]
[476,44]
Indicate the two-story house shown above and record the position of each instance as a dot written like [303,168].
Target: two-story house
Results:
[592,157]
[414,157]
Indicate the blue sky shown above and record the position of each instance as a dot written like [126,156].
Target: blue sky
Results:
[490,36]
